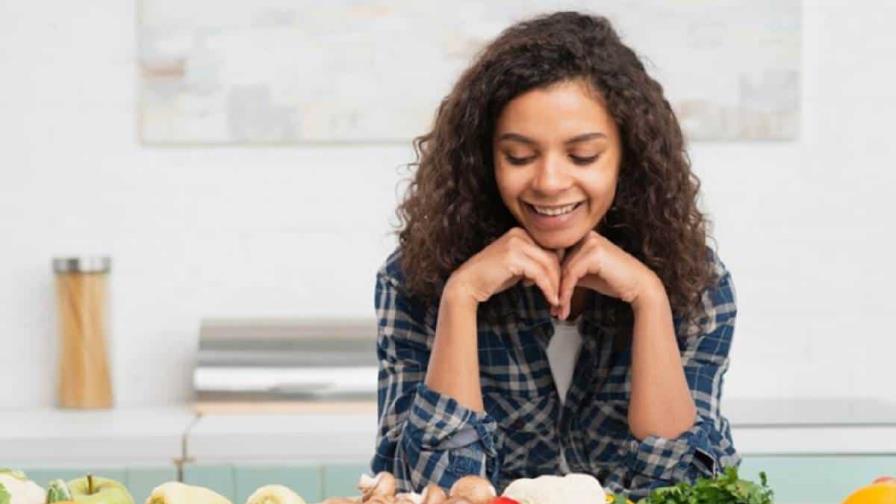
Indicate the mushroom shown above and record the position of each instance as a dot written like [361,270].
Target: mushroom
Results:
[433,494]
[383,484]
[475,489]
[408,498]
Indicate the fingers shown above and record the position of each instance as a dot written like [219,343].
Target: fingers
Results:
[575,266]
[550,268]
[537,266]
[540,274]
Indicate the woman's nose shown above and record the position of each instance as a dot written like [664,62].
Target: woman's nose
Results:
[551,176]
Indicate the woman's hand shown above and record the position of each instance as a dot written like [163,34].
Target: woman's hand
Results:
[503,263]
[598,264]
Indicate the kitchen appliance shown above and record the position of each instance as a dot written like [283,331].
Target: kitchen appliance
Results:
[247,365]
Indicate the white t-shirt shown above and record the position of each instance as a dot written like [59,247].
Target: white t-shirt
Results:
[563,352]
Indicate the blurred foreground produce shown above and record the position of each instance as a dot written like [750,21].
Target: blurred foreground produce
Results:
[179,493]
[882,491]
[556,489]
[95,490]
[16,488]
[274,494]
[727,488]
[57,491]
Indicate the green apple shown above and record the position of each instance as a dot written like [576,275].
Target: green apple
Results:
[95,490]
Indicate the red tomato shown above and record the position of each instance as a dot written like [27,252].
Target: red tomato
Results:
[503,500]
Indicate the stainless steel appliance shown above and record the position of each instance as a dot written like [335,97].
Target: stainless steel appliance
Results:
[256,364]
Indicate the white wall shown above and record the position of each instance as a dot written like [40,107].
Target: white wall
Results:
[200,232]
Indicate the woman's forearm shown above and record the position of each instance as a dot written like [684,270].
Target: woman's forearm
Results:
[453,367]
[661,402]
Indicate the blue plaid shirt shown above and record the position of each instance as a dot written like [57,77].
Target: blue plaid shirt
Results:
[425,436]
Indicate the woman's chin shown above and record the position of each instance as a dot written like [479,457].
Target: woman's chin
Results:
[556,240]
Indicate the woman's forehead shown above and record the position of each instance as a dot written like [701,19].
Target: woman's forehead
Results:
[558,113]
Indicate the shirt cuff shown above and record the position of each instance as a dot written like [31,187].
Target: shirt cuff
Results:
[438,423]
[685,458]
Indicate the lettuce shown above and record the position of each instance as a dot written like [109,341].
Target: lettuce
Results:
[727,489]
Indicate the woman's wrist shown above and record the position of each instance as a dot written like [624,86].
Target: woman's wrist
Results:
[458,293]
[652,292]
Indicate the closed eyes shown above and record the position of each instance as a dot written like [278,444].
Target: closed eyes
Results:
[581,161]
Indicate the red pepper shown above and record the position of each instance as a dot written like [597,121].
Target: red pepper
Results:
[503,500]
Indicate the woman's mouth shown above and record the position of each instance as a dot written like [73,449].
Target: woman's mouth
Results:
[553,216]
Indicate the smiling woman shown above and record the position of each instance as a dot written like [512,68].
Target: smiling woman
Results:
[555,175]
[553,185]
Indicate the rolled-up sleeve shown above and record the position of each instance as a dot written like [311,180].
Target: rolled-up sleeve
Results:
[423,436]
[706,448]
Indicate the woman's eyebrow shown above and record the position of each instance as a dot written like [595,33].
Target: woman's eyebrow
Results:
[585,137]
[516,137]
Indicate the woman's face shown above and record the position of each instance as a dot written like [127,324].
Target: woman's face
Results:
[556,153]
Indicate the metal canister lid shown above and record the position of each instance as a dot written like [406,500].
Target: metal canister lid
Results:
[87,264]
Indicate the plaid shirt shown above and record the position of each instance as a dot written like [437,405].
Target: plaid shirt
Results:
[425,436]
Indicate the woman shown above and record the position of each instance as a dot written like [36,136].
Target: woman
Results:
[553,187]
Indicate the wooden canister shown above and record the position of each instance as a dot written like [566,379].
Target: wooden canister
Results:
[84,377]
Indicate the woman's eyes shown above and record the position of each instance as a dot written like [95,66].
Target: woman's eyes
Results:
[518,161]
[583,160]
[575,159]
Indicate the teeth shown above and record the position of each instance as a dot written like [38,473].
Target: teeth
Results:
[554,210]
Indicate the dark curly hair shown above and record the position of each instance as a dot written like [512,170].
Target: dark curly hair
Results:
[452,208]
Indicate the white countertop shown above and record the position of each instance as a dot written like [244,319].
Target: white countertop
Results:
[750,412]
[307,437]
[160,435]
[119,436]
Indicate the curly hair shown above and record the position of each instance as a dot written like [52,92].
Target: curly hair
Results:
[452,208]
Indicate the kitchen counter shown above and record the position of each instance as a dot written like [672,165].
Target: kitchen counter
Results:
[163,434]
[813,450]
[118,436]
[310,437]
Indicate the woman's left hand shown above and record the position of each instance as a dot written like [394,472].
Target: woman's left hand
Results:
[598,264]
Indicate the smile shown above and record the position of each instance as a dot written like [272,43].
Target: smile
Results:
[553,218]
[554,210]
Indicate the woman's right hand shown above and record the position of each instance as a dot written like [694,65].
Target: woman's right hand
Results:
[513,257]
